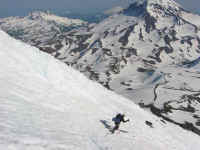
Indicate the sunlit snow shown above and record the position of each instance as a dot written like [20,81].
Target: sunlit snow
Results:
[45,105]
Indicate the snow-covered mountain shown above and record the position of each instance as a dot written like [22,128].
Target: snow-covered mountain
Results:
[148,52]
[142,53]
[40,29]
[46,105]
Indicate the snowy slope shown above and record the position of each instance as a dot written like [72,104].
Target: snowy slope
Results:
[147,52]
[45,105]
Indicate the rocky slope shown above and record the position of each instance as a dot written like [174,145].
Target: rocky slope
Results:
[40,29]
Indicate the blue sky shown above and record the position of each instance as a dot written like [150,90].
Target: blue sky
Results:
[22,7]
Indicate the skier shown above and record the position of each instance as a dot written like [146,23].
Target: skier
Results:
[117,120]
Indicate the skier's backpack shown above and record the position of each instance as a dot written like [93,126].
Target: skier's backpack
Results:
[117,119]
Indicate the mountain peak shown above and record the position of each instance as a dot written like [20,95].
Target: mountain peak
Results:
[48,16]
[38,14]
[166,3]
[140,7]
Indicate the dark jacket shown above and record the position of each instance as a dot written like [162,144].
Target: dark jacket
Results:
[119,118]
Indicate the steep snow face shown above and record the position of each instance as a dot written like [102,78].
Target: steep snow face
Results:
[45,105]
[191,18]
[139,53]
